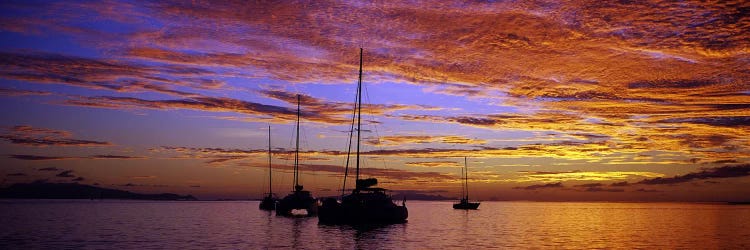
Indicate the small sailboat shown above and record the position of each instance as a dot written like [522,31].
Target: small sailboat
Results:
[366,204]
[300,202]
[269,202]
[464,203]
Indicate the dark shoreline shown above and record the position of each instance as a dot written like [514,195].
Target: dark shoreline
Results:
[45,190]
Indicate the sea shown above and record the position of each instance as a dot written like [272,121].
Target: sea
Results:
[127,224]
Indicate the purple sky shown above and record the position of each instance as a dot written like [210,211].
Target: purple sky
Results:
[550,100]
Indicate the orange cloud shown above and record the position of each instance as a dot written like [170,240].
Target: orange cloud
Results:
[50,158]
[616,83]
[433,164]
[390,140]
[40,137]
[550,177]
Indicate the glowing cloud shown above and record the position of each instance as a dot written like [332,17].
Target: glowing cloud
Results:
[31,136]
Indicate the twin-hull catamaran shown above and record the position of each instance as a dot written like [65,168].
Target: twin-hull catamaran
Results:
[365,204]
[299,199]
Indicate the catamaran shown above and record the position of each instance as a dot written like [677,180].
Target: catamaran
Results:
[366,204]
[300,202]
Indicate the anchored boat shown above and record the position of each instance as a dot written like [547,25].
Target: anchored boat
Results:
[464,202]
[366,203]
[300,202]
[269,202]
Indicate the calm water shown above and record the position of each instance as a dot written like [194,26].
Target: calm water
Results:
[54,224]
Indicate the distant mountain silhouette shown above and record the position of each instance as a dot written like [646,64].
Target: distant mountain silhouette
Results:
[47,190]
[425,197]
[420,195]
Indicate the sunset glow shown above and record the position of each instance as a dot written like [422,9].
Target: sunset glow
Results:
[549,100]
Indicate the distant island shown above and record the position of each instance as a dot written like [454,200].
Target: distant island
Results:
[47,190]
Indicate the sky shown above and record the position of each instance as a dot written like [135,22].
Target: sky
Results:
[548,100]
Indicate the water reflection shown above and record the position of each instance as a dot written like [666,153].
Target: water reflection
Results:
[268,226]
[372,236]
[296,232]
[240,225]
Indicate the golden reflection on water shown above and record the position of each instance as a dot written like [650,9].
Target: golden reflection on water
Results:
[619,225]
[434,225]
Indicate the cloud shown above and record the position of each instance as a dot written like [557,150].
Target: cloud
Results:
[52,158]
[591,152]
[142,177]
[553,176]
[433,164]
[221,153]
[112,75]
[541,186]
[22,92]
[620,184]
[387,173]
[392,140]
[639,82]
[590,185]
[649,134]
[544,31]
[643,190]
[78,179]
[600,189]
[66,174]
[31,136]
[725,161]
[225,159]
[331,108]
[421,194]
[314,109]
[37,157]
[722,121]
[671,84]
[118,157]
[16,174]
[712,173]
[257,111]
[49,169]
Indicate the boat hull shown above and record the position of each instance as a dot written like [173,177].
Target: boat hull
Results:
[268,203]
[297,200]
[361,212]
[466,205]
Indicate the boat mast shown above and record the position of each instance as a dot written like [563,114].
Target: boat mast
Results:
[297,187]
[359,108]
[466,179]
[269,160]
[463,187]
[351,129]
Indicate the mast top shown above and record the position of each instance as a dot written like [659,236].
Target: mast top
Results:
[359,109]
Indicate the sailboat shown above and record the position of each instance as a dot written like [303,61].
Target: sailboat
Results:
[464,203]
[299,199]
[269,202]
[366,204]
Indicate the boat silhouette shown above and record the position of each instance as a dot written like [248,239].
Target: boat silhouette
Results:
[464,202]
[270,200]
[366,203]
[299,199]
